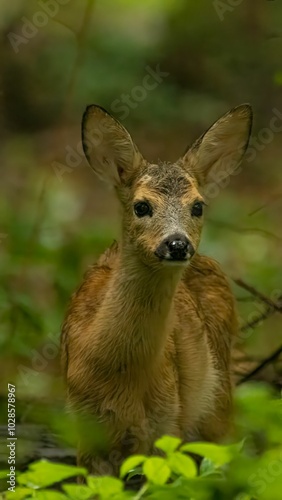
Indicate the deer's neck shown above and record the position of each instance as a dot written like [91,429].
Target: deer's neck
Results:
[137,313]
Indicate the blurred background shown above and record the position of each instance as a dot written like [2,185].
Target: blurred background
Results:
[166,69]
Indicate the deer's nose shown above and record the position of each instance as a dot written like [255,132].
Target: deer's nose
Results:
[175,247]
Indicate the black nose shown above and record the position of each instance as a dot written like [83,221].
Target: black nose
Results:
[175,247]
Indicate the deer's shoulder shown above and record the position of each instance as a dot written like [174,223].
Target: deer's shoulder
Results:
[87,298]
[94,284]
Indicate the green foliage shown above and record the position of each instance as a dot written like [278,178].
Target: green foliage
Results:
[157,470]
[219,455]
[43,473]
[168,444]
[248,469]
[131,463]
[106,487]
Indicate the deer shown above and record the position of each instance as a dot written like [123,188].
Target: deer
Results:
[147,338]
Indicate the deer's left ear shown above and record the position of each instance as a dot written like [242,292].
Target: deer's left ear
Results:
[222,147]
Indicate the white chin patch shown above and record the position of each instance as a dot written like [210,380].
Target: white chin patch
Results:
[175,263]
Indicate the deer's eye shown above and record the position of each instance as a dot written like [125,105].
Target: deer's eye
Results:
[197,209]
[142,208]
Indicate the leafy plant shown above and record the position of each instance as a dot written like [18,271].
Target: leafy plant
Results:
[250,469]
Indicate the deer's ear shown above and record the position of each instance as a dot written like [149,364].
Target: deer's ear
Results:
[221,148]
[108,146]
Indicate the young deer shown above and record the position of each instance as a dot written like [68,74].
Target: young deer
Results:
[147,337]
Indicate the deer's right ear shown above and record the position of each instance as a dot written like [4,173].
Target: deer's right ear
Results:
[108,146]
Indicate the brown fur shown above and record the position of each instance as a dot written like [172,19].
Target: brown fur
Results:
[146,345]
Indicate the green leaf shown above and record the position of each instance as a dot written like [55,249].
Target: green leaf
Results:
[218,454]
[105,486]
[138,471]
[131,463]
[272,463]
[207,467]
[44,473]
[50,495]
[201,488]
[20,493]
[78,492]
[182,465]
[194,488]
[156,470]
[3,474]
[168,444]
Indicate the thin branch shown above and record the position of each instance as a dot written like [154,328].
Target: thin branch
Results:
[271,308]
[269,202]
[81,37]
[237,229]
[271,305]
[256,321]
[65,25]
[262,365]
[39,217]
[246,299]
[259,295]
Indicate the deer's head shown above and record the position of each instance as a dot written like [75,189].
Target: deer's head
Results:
[163,204]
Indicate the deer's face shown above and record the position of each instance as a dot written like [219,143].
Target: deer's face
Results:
[163,214]
[162,204]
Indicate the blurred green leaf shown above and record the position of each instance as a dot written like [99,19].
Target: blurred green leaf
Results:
[78,492]
[168,444]
[218,454]
[156,470]
[182,465]
[106,487]
[50,495]
[131,463]
[44,473]
[19,493]
[207,467]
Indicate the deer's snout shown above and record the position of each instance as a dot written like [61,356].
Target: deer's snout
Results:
[175,247]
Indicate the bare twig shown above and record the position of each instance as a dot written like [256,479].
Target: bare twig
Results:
[262,365]
[271,308]
[259,295]
[246,299]
[81,37]
[269,202]
[256,321]
[271,305]
[237,229]
[39,217]
[65,25]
